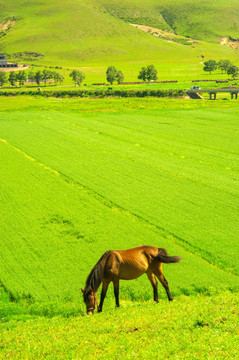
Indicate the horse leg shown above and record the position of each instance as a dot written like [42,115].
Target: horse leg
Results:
[116,291]
[159,273]
[165,285]
[154,284]
[105,285]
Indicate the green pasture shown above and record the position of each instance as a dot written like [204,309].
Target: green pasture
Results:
[200,327]
[78,181]
[80,176]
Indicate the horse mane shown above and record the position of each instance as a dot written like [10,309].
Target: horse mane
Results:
[95,277]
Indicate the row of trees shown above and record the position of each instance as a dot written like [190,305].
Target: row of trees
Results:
[112,74]
[12,78]
[22,76]
[224,65]
[148,73]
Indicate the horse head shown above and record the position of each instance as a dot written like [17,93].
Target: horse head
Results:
[90,300]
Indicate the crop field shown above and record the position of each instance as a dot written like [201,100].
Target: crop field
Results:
[79,177]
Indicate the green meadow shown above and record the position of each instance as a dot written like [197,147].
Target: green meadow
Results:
[209,330]
[80,176]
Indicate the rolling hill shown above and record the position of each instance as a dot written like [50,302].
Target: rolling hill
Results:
[197,19]
[79,32]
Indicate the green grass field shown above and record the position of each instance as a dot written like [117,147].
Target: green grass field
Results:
[80,176]
[135,331]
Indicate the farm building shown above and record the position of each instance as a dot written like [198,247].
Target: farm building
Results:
[4,63]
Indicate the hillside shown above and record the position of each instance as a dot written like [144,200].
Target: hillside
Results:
[80,177]
[198,19]
[96,32]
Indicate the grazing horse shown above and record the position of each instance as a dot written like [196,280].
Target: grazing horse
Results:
[126,265]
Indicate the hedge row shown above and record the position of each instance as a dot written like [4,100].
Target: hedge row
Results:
[99,93]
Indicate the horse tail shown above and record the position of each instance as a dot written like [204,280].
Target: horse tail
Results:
[164,258]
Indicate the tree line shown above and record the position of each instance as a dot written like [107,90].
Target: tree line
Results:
[20,77]
[224,65]
[113,75]
[148,73]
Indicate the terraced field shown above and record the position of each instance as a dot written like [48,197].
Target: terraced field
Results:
[75,183]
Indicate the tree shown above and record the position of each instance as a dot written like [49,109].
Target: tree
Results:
[148,73]
[58,77]
[210,65]
[3,78]
[142,74]
[21,77]
[12,78]
[31,76]
[233,71]
[77,77]
[151,73]
[111,74]
[224,65]
[119,77]
[46,75]
[38,77]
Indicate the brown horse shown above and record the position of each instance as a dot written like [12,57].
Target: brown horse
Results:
[126,265]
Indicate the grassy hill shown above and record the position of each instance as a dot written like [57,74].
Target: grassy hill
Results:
[198,19]
[92,33]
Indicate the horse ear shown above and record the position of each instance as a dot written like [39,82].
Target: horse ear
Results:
[83,290]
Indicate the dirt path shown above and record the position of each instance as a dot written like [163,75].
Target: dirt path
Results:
[6,24]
